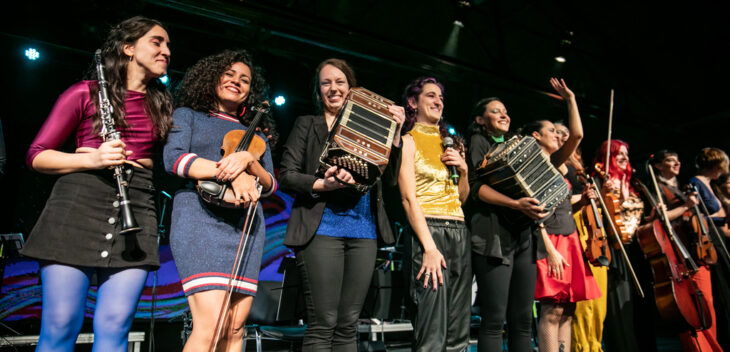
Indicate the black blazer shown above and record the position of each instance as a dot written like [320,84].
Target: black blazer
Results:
[299,163]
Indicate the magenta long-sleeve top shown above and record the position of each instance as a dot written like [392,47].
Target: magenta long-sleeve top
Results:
[72,114]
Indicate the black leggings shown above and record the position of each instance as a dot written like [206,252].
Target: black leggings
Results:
[336,274]
[506,291]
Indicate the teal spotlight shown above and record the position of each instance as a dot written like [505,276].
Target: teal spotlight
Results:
[279,100]
[32,54]
[452,131]
[164,80]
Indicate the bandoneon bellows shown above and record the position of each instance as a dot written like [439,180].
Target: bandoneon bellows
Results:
[361,139]
[518,168]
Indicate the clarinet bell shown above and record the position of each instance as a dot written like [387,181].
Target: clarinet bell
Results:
[129,223]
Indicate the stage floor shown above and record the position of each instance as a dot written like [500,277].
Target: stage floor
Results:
[168,338]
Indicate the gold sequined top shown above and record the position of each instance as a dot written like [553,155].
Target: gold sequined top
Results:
[435,191]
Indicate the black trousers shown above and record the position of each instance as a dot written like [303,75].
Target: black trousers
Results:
[441,318]
[336,274]
[506,292]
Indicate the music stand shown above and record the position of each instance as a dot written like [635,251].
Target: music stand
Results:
[11,244]
[291,300]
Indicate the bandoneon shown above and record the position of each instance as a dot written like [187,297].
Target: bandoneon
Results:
[361,139]
[518,168]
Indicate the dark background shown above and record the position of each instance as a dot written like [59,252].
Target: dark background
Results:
[667,63]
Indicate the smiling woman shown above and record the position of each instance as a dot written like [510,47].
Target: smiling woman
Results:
[213,99]
[438,264]
[333,230]
[79,233]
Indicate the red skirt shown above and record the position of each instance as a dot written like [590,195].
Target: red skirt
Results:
[577,284]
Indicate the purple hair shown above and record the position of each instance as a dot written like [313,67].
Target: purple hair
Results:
[413,90]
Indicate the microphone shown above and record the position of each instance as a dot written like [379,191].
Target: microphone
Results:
[448,142]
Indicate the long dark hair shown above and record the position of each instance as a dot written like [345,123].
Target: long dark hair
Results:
[198,88]
[478,110]
[158,102]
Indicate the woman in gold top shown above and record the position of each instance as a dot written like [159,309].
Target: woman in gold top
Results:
[433,184]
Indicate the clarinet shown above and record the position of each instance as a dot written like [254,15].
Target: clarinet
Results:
[109,133]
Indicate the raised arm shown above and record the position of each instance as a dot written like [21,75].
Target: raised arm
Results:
[575,127]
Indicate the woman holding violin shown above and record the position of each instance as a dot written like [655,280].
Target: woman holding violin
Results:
[215,97]
[587,324]
[563,277]
[711,163]
[333,229]
[682,210]
[625,308]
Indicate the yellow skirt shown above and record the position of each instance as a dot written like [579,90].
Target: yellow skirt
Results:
[587,326]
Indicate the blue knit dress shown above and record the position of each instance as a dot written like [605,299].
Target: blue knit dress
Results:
[204,238]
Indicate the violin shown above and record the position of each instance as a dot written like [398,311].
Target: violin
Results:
[613,210]
[220,193]
[596,250]
[678,298]
[692,227]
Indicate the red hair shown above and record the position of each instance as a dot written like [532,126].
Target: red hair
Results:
[613,170]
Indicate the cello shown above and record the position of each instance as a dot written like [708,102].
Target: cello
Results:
[678,298]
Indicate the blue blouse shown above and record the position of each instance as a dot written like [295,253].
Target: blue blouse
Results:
[348,218]
[713,205]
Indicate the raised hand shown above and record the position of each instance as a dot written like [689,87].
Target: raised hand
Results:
[562,88]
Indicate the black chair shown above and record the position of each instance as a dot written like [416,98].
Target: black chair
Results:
[277,309]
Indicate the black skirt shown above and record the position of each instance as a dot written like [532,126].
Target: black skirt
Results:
[80,224]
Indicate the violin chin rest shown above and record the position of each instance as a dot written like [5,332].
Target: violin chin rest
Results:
[211,187]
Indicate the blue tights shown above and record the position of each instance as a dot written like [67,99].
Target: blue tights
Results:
[64,301]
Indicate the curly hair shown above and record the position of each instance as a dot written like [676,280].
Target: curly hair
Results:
[157,98]
[197,90]
[341,65]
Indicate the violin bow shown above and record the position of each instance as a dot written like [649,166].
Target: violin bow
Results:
[618,240]
[608,141]
[245,234]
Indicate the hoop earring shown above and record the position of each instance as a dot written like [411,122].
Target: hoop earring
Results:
[130,59]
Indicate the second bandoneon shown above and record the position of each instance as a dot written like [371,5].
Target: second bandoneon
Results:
[361,139]
[518,168]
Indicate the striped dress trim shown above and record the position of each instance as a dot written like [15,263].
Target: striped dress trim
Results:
[218,281]
[182,164]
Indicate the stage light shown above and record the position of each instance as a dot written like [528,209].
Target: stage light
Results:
[32,54]
[458,23]
[560,59]
[452,131]
[164,80]
[279,100]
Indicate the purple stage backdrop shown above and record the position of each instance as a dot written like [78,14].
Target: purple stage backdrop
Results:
[21,291]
